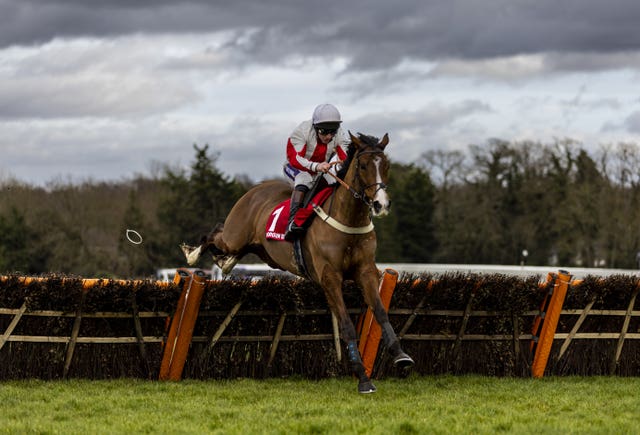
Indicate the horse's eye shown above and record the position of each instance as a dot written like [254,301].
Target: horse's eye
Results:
[363,166]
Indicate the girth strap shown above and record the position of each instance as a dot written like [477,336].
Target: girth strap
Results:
[341,227]
[299,257]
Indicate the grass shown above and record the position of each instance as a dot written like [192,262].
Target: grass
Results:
[469,404]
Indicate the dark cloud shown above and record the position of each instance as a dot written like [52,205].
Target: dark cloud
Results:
[374,35]
[118,83]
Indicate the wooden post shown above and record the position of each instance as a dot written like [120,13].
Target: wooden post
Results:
[574,330]
[182,324]
[276,339]
[420,305]
[372,339]
[13,324]
[455,348]
[623,332]
[75,331]
[221,328]
[336,337]
[515,321]
[549,324]
[139,337]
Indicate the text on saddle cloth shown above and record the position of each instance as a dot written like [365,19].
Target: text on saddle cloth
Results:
[279,217]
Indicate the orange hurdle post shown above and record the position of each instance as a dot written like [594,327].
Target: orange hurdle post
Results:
[549,324]
[537,321]
[181,330]
[371,331]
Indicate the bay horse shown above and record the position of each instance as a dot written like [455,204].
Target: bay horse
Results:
[333,252]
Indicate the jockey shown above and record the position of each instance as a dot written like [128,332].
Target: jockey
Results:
[309,149]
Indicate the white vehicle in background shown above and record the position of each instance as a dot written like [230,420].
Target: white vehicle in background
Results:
[168,273]
[253,272]
[259,271]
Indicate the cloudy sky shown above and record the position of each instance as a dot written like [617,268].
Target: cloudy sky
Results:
[106,90]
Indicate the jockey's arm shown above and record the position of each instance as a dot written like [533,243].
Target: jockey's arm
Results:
[296,147]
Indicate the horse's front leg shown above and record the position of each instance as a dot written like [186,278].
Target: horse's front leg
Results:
[332,284]
[367,279]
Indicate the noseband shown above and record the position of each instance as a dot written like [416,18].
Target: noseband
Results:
[379,186]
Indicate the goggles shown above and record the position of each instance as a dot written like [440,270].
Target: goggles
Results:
[324,131]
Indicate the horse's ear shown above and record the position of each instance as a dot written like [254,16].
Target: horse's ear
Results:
[385,141]
[355,140]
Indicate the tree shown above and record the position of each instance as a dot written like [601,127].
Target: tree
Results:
[136,260]
[620,206]
[194,202]
[408,236]
[17,244]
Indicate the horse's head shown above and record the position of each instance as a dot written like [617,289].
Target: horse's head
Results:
[369,170]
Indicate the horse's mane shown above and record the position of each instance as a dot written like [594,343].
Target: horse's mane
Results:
[370,141]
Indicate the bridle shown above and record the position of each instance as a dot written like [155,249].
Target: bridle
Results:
[356,195]
[360,195]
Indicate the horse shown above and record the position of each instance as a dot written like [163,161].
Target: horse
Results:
[337,247]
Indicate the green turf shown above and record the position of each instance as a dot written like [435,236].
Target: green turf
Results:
[415,405]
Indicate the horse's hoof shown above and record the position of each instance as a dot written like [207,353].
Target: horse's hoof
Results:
[186,249]
[366,387]
[403,361]
[192,254]
[227,264]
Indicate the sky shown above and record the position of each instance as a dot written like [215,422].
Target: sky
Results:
[114,89]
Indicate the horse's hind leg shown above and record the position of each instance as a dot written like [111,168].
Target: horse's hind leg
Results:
[210,243]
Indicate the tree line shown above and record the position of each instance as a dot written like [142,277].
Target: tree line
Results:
[497,203]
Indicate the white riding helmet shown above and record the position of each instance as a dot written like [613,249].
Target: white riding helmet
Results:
[326,113]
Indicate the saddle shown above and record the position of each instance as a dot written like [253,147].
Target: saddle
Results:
[277,222]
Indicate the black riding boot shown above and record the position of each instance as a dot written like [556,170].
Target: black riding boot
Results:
[293,230]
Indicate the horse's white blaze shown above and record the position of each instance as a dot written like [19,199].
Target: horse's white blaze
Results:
[381,195]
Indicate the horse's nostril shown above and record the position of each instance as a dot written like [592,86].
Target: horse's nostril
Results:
[377,206]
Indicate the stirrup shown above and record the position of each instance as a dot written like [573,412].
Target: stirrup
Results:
[293,232]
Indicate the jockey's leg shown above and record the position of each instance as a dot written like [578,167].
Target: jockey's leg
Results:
[297,197]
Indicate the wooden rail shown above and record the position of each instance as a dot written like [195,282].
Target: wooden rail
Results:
[19,313]
[457,335]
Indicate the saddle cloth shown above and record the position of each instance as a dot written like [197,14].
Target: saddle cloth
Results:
[279,217]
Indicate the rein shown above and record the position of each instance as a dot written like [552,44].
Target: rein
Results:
[353,193]
[356,195]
